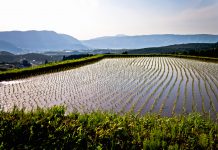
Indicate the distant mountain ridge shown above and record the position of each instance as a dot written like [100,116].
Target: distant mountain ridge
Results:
[19,42]
[38,41]
[144,41]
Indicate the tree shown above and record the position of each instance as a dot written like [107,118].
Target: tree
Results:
[46,61]
[125,52]
[25,63]
[64,57]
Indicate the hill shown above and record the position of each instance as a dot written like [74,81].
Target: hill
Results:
[38,41]
[198,49]
[6,46]
[144,41]
[34,58]
[6,57]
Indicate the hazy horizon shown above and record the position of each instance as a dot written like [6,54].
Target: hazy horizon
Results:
[86,19]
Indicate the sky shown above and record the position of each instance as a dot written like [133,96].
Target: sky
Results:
[85,19]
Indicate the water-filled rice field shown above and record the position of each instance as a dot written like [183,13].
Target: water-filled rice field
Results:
[140,85]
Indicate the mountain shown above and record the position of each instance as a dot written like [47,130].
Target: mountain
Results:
[40,41]
[144,41]
[6,46]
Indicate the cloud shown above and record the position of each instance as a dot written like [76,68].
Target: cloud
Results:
[206,3]
[208,13]
[194,20]
[90,18]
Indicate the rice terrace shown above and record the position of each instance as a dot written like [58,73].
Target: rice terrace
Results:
[109,74]
[163,85]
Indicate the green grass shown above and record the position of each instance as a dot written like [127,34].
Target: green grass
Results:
[52,128]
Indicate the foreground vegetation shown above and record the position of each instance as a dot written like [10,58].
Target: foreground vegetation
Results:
[50,129]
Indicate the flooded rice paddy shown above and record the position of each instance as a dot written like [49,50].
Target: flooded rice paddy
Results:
[139,85]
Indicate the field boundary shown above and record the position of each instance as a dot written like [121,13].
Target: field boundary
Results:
[208,59]
[70,64]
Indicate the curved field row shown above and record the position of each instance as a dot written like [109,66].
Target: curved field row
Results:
[139,85]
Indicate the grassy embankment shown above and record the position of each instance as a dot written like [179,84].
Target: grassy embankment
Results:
[50,129]
[48,68]
[69,64]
